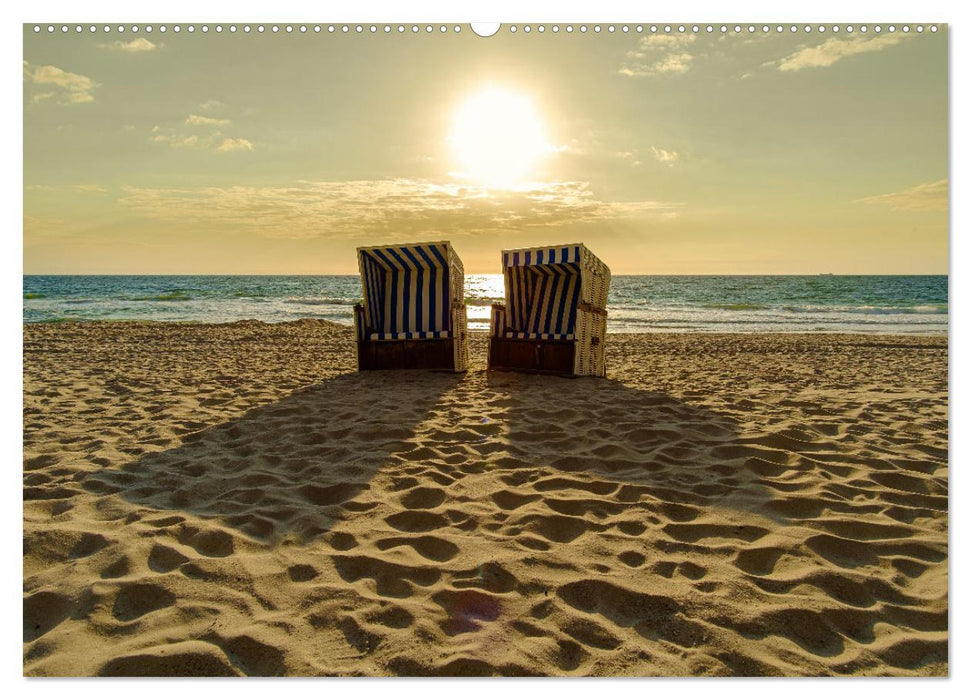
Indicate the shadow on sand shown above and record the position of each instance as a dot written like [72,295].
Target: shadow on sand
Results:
[293,468]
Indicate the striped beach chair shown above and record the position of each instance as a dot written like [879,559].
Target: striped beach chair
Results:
[555,315]
[413,315]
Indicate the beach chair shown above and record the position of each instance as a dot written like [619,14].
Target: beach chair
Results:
[413,315]
[555,316]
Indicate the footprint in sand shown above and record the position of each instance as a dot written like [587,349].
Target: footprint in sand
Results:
[43,611]
[423,498]
[133,600]
[416,521]
[433,548]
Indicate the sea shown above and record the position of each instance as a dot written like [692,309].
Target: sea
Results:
[637,303]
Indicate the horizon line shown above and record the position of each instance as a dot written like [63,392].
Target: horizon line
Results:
[357,274]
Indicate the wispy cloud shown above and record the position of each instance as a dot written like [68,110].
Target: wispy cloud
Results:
[235,145]
[659,54]
[630,157]
[62,188]
[833,50]
[669,158]
[928,196]
[391,207]
[139,45]
[178,140]
[210,140]
[197,120]
[70,88]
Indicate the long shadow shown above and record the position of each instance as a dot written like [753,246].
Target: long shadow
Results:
[625,446]
[287,469]
[296,466]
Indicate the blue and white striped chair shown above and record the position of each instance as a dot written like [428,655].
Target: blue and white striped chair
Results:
[413,315]
[555,315]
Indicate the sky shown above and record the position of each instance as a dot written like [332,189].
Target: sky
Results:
[233,153]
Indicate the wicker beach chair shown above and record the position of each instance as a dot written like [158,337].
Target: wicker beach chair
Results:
[555,316]
[413,315]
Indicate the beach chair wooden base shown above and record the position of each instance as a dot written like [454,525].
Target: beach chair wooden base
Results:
[542,356]
[407,354]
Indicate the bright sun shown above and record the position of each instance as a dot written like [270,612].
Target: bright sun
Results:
[498,137]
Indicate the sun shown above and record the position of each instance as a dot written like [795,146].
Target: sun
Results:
[498,137]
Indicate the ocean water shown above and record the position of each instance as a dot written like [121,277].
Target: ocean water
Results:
[638,303]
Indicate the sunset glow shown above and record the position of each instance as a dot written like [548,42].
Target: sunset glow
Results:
[498,137]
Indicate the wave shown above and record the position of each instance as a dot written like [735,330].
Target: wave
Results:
[736,307]
[772,321]
[166,296]
[702,310]
[322,301]
[61,319]
[921,309]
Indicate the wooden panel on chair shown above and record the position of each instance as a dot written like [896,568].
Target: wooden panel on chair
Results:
[406,354]
[513,354]
[556,356]
[553,356]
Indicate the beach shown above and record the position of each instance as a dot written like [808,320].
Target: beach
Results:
[235,499]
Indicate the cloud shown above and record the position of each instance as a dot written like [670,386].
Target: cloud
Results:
[399,207]
[70,88]
[63,188]
[663,41]
[669,158]
[630,156]
[210,105]
[138,45]
[235,145]
[196,120]
[833,50]
[214,140]
[51,75]
[659,54]
[178,140]
[930,196]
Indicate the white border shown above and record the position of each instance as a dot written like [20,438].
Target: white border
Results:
[565,11]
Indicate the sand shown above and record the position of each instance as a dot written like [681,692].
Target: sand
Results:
[236,500]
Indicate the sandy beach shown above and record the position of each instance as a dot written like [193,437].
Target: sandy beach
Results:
[237,500]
